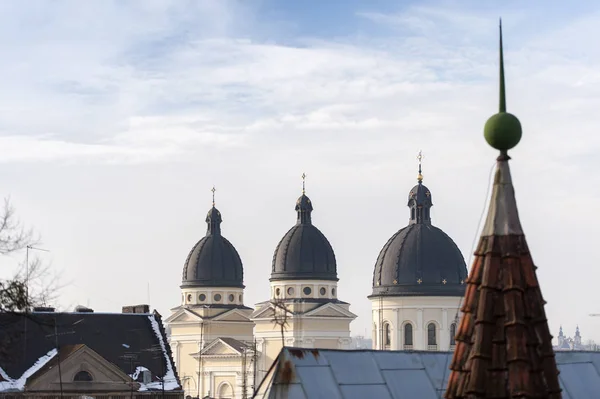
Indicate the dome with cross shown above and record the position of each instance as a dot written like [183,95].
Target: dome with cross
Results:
[420,259]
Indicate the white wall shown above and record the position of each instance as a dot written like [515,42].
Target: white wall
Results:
[418,312]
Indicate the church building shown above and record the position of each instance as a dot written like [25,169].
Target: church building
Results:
[418,282]
[221,347]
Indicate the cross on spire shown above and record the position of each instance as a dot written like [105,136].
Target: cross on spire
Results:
[303,183]
[420,159]
[213,189]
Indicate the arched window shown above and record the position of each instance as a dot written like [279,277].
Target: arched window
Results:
[408,336]
[387,335]
[431,336]
[83,376]
[225,391]
[452,334]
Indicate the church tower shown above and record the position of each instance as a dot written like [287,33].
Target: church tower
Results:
[418,282]
[304,309]
[211,333]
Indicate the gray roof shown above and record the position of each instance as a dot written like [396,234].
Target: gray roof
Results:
[420,260]
[213,261]
[304,253]
[335,374]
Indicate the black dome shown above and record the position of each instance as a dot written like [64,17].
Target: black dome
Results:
[420,259]
[304,252]
[213,261]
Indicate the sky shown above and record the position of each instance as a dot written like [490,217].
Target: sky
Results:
[117,118]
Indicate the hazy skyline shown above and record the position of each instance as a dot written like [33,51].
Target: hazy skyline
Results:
[117,118]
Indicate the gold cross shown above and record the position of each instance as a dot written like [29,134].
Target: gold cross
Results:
[213,191]
[419,281]
[303,183]
[420,156]
[444,281]
[420,159]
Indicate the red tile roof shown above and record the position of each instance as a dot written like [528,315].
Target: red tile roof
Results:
[503,343]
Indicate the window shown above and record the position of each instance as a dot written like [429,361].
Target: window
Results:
[217,297]
[225,391]
[202,297]
[412,213]
[307,291]
[231,298]
[277,291]
[452,334]
[387,335]
[323,291]
[189,298]
[333,292]
[83,376]
[240,298]
[408,334]
[290,291]
[431,338]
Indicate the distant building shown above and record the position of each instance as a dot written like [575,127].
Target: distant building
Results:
[418,282]
[573,344]
[86,354]
[360,342]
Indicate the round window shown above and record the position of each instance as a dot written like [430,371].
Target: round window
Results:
[277,291]
[231,298]
[217,297]
[333,292]
[290,291]
[240,298]
[202,297]
[323,291]
[189,297]
[307,290]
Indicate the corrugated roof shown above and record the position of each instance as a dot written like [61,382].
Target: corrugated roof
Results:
[300,373]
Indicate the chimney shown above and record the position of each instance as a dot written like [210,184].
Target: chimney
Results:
[83,309]
[138,309]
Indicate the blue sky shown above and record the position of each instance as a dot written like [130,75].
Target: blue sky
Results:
[116,118]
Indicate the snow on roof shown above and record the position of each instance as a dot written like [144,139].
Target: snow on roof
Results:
[10,384]
[336,374]
[169,381]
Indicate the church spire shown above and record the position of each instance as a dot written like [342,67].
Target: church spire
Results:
[503,351]
[502,130]
[502,107]
[304,205]
[419,199]
[213,218]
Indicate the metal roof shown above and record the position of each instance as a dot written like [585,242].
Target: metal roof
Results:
[300,373]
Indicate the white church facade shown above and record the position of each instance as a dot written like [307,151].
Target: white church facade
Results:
[223,348]
[418,283]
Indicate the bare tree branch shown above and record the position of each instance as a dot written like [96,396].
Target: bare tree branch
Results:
[32,285]
[13,235]
[280,316]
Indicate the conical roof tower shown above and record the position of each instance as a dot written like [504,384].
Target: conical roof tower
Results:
[503,343]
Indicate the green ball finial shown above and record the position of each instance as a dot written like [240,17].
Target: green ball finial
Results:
[503,131]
